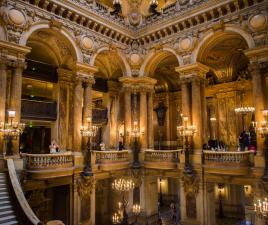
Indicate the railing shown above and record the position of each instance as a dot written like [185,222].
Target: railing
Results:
[26,214]
[162,159]
[42,166]
[42,110]
[230,158]
[107,160]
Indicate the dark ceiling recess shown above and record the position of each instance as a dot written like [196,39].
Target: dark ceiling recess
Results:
[40,71]
[100,85]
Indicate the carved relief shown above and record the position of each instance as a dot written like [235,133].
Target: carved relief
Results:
[85,185]
[190,184]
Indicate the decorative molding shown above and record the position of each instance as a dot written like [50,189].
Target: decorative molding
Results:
[85,186]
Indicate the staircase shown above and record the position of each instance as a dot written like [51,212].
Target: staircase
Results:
[7,214]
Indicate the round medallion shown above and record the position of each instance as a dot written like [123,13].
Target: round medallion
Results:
[135,58]
[257,21]
[134,18]
[185,44]
[87,43]
[16,17]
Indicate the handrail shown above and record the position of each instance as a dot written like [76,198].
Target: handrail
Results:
[112,156]
[48,161]
[24,205]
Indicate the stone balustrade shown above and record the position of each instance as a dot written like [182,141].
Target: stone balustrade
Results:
[109,160]
[48,165]
[228,162]
[162,159]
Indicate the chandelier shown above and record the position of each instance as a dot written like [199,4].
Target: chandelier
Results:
[11,129]
[263,128]
[89,130]
[243,109]
[123,185]
[261,208]
[186,130]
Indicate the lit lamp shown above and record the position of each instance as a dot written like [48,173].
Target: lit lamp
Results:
[88,131]
[243,110]
[187,131]
[263,131]
[221,190]
[153,6]
[261,208]
[136,209]
[136,133]
[117,7]
[123,186]
[11,130]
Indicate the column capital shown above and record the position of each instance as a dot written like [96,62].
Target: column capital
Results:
[187,72]
[86,70]
[113,86]
[138,84]
[65,75]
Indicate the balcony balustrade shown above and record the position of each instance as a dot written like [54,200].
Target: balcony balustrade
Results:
[162,159]
[230,162]
[43,166]
[110,160]
[39,110]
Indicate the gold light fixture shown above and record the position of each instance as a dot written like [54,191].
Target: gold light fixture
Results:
[11,129]
[261,208]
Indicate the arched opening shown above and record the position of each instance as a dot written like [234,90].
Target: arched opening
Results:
[40,88]
[166,99]
[106,97]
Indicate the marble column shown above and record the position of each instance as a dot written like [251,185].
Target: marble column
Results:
[113,114]
[197,114]
[186,100]
[204,113]
[259,100]
[77,114]
[87,104]
[150,121]
[143,119]
[127,127]
[3,89]
[15,99]
[65,80]
[209,210]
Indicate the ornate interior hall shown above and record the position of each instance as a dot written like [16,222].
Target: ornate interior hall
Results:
[133,112]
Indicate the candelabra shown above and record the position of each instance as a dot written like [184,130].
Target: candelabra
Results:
[11,130]
[88,131]
[123,186]
[221,189]
[117,8]
[153,6]
[261,208]
[263,131]
[244,110]
[187,131]
[136,133]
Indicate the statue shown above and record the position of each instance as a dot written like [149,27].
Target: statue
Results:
[102,146]
[161,113]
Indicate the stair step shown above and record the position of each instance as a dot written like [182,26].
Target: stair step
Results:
[4,197]
[4,193]
[5,207]
[13,222]
[5,202]
[6,212]
[7,218]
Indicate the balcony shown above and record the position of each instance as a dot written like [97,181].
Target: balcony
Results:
[162,159]
[110,160]
[229,163]
[38,110]
[44,166]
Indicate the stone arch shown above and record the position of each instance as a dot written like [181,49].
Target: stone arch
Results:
[125,67]
[65,33]
[154,57]
[211,35]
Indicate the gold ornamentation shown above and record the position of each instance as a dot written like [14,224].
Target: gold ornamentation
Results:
[85,185]
[190,184]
